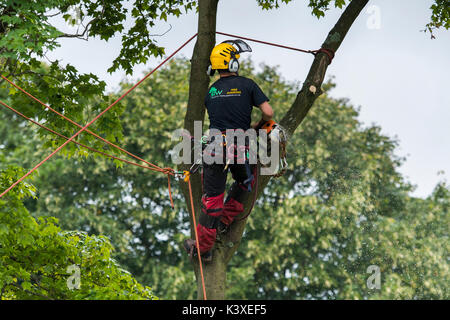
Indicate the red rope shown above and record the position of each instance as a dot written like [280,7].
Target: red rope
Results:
[75,123]
[78,143]
[328,52]
[267,43]
[95,119]
[167,171]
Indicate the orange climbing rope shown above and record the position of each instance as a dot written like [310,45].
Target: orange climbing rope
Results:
[164,170]
[149,166]
[95,150]
[76,142]
[76,124]
[196,239]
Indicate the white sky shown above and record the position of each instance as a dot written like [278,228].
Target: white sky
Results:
[395,73]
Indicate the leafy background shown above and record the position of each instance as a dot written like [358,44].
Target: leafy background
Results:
[341,207]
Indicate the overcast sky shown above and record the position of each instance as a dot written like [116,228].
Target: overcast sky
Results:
[386,66]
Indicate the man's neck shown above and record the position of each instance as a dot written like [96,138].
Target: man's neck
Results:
[227,74]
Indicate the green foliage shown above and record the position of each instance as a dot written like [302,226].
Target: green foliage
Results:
[27,34]
[138,43]
[28,30]
[341,207]
[440,16]
[318,7]
[440,10]
[35,256]
[129,204]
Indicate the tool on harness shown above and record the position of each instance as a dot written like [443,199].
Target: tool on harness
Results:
[269,126]
[276,133]
[186,174]
[240,153]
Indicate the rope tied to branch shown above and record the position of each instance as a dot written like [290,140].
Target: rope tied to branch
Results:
[330,53]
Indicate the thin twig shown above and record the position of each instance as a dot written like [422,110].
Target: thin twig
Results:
[53,15]
[162,34]
[78,35]
[31,292]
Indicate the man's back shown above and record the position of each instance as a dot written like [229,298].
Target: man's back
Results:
[230,101]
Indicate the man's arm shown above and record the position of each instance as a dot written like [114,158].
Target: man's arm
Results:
[267,111]
[267,114]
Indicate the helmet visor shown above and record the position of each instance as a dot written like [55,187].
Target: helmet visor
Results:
[240,45]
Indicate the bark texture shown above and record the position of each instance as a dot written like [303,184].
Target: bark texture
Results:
[198,85]
[199,82]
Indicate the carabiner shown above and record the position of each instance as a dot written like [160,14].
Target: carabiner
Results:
[187,175]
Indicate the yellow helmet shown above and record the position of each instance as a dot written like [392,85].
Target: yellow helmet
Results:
[224,56]
[221,56]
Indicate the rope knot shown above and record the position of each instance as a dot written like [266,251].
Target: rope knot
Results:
[328,52]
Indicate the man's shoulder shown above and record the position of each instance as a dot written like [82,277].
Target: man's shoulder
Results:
[235,79]
[212,86]
[246,81]
[245,78]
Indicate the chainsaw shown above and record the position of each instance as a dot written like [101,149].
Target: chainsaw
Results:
[277,133]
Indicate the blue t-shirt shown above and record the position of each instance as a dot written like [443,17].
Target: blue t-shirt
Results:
[230,102]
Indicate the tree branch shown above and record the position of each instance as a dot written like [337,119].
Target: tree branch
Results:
[308,94]
[311,89]
[53,15]
[78,35]
[31,292]
[198,86]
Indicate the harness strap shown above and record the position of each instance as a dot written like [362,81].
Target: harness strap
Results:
[208,221]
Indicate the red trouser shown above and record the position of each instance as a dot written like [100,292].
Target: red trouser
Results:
[214,209]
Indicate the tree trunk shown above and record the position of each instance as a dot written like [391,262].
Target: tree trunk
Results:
[215,273]
[198,86]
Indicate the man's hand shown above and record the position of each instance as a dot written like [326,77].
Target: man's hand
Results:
[267,114]
[258,124]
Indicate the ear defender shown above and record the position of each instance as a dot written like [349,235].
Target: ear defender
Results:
[233,65]
[210,71]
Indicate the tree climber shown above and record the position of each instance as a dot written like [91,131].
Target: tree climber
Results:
[229,103]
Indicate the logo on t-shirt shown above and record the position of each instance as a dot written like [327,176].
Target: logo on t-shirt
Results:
[214,92]
[234,91]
